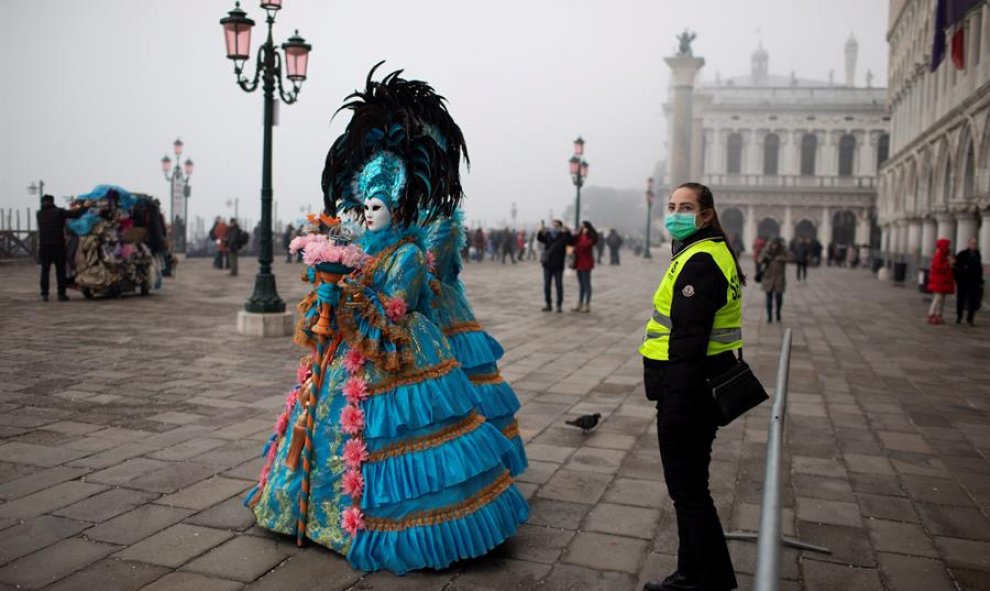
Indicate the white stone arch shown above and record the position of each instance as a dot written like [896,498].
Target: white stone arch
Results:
[911,186]
[983,149]
[926,184]
[943,173]
[964,164]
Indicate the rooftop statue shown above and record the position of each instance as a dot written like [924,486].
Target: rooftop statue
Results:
[685,39]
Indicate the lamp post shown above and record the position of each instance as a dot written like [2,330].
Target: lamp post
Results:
[579,172]
[268,70]
[179,192]
[38,189]
[649,215]
[512,212]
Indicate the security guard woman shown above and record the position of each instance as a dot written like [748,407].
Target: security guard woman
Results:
[695,328]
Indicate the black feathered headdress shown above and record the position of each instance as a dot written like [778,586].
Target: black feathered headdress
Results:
[409,120]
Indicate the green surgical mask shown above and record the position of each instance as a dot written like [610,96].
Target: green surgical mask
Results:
[680,225]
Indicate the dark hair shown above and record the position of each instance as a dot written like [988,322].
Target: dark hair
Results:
[707,201]
[591,230]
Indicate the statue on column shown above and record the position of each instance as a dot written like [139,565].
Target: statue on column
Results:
[685,40]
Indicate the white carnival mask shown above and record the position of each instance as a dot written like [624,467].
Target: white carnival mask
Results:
[376,214]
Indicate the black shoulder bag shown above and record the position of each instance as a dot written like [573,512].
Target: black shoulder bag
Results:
[736,391]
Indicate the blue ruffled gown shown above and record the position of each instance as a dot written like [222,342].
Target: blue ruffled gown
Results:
[435,486]
[476,350]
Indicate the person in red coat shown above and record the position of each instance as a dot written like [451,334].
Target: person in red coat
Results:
[584,262]
[940,280]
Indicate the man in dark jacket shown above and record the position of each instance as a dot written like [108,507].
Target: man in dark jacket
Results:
[236,240]
[614,242]
[51,243]
[969,282]
[555,242]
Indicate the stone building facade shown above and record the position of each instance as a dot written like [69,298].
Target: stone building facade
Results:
[788,156]
[936,183]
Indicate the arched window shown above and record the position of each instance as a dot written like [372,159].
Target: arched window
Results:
[734,159]
[969,173]
[771,151]
[883,149]
[809,149]
[847,151]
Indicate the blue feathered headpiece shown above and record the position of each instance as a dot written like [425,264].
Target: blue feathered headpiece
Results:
[396,122]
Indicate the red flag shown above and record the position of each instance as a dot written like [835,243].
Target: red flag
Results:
[958,49]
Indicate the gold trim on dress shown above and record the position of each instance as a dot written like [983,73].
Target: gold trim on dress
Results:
[462,427]
[428,518]
[486,379]
[439,370]
[459,327]
[511,430]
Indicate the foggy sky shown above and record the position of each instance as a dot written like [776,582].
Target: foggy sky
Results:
[96,92]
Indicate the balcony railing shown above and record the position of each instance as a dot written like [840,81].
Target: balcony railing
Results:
[788,180]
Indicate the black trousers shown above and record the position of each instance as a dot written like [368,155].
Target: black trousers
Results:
[48,256]
[967,300]
[686,428]
[802,271]
[557,275]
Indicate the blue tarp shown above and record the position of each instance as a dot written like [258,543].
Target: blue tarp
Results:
[126,200]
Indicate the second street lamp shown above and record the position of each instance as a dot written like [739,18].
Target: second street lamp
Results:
[649,215]
[579,172]
[178,195]
[237,35]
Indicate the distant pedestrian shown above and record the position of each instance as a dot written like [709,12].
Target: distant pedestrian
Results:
[802,251]
[555,241]
[507,243]
[969,282]
[584,261]
[773,264]
[236,240]
[478,241]
[218,234]
[831,254]
[531,247]
[940,280]
[614,243]
[51,244]
[287,237]
[600,250]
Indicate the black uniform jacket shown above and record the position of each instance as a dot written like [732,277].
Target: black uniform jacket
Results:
[700,290]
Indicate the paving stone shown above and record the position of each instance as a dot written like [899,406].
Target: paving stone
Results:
[230,514]
[243,558]
[657,567]
[538,472]
[34,534]
[827,467]
[309,570]
[127,471]
[37,481]
[637,522]
[38,455]
[206,493]
[547,453]
[967,554]
[492,572]
[178,418]
[910,573]
[112,456]
[561,514]
[53,563]
[188,449]
[884,507]
[643,493]
[173,477]
[414,581]
[565,577]
[824,576]
[182,581]
[900,538]
[970,580]
[137,524]
[577,487]
[939,491]
[832,489]
[830,512]
[606,552]
[537,544]
[103,506]
[955,522]
[175,546]
[49,499]
[111,575]
[590,459]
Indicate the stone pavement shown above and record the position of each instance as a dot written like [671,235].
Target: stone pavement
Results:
[130,429]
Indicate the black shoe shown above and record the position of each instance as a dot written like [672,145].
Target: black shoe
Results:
[62,297]
[547,309]
[559,310]
[970,322]
[675,582]
[44,297]
[958,319]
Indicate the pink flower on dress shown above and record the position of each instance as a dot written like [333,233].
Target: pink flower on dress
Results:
[282,423]
[352,520]
[353,483]
[395,308]
[352,420]
[431,259]
[355,389]
[353,361]
[302,372]
[290,400]
[355,452]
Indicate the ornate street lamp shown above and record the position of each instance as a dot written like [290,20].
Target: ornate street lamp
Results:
[649,215]
[38,189]
[579,172]
[179,192]
[237,35]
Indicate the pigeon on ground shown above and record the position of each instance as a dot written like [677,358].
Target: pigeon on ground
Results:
[586,422]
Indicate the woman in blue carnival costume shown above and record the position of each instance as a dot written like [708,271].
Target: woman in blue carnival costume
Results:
[382,453]
[477,352]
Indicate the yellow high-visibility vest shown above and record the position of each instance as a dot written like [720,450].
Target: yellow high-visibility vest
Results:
[727,330]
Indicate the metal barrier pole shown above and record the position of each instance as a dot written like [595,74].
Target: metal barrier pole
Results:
[769,539]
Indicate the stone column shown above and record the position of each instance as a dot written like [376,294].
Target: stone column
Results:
[683,71]
[862,227]
[965,229]
[928,236]
[749,228]
[825,228]
[787,228]
[985,233]
[786,157]
[946,226]
[697,133]
[754,158]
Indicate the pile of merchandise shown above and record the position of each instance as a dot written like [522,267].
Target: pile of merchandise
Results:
[118,245]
